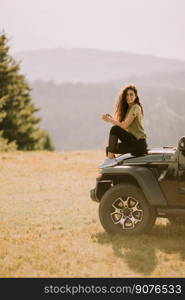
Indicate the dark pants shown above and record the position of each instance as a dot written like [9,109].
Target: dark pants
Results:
[129,143]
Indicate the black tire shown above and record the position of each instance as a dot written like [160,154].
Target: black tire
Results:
[124,209]
[177,220]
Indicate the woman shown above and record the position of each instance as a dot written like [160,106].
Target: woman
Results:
[127,127]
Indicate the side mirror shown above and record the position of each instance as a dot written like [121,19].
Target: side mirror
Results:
[181,144]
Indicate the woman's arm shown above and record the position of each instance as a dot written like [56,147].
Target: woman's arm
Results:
[124,125]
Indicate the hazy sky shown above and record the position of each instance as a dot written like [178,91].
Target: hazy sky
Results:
[141,26]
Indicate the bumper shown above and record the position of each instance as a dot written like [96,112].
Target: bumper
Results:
[101,187]
[93,195]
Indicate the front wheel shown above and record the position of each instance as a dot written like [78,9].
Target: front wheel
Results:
[124,209]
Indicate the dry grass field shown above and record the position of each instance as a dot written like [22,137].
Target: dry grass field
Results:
[49,227]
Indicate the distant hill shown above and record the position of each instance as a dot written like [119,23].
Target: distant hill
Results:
[71,111]
[90,65]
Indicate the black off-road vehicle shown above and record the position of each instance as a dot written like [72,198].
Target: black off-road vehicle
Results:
[137,190]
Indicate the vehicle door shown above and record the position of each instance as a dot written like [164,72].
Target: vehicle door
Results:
[181,178]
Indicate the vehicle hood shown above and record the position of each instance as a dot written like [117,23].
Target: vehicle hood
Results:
[154,156]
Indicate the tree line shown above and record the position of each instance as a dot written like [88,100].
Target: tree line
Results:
[19,123]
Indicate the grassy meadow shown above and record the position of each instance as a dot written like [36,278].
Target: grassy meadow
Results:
[49,227]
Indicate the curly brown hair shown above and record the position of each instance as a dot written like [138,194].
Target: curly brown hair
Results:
[122,105]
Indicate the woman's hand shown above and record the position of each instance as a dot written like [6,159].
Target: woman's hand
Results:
[107,118]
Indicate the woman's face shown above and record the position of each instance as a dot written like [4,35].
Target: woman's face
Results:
[130,97]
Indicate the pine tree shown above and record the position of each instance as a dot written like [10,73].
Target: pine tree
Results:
[18,121]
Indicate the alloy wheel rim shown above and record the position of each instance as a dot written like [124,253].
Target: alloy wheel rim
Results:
[127,212]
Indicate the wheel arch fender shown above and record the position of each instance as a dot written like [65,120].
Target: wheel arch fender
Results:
[145,179]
